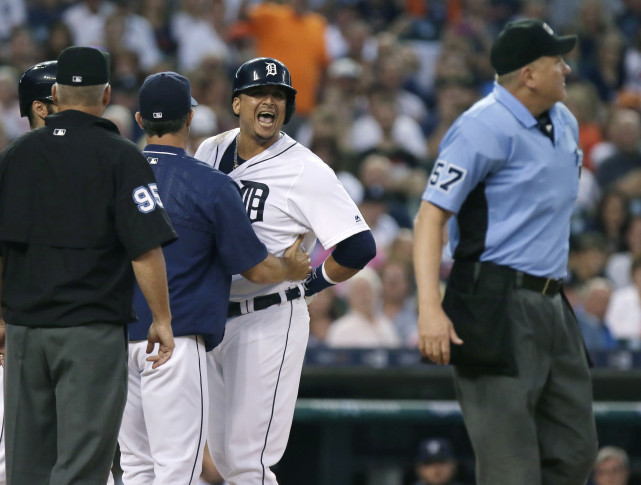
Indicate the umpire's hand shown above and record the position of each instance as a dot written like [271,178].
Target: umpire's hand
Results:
[435,332]
[160,333]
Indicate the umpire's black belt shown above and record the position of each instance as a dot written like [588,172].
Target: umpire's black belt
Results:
[262,302]
[475,271]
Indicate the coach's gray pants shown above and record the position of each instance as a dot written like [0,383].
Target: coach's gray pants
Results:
[65,391]
[536,428]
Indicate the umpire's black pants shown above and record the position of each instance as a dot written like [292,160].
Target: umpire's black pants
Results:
[536,428]
[65,392]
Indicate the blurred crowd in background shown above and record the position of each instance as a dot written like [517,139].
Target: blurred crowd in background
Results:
[379,83]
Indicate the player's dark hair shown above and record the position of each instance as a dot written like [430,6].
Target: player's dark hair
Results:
[160,128]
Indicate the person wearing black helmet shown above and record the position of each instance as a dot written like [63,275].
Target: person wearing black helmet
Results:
[287,190]
[34,93]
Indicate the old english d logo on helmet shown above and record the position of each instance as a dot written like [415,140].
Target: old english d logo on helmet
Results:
[265,71]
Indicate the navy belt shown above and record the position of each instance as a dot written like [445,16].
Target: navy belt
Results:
[265,301]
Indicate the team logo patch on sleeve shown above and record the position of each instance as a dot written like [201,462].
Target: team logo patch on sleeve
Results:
[446,175]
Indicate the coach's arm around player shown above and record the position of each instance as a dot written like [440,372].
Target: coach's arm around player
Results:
[293,266]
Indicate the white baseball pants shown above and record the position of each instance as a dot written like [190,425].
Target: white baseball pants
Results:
[253,384]
[162,436]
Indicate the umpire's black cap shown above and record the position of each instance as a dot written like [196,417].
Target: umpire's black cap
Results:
[523,41]
[82,66]
[165,96]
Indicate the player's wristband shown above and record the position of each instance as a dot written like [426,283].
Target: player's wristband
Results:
[317,280]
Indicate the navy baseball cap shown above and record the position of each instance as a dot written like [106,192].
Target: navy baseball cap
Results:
[524,41]
[435,450]
[82,66]
[165,96]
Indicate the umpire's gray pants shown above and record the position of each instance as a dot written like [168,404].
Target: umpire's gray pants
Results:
[536,428]
[65,391]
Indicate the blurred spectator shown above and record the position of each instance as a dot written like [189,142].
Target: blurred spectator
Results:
[402,249]
[611,466]
[632,62]
[619,263]
[453,95]
[391,71]
[606,72]
[594,298]
[584,102]
[383,128]
[343,96]
[124,28]
[325,127]
[348,35]
[123,118]
[14,13]
[59,38]
[611,217]
[398,302]
[364,325]
[126,77]
[623,316]
[588,257]
[86,20]
[14,125]
[324,309]
[21,52]
[384,227]
[41,15]
[295,35]
[211,86]
[593,21]
[361,44]
[436,463]
[158,14]
[203,125]
[625,133]
[192,27]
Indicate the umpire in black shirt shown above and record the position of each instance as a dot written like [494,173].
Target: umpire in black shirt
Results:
[78,205]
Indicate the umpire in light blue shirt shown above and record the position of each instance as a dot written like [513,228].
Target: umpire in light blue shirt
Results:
[508,171]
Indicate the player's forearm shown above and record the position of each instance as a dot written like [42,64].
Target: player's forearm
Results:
[428,246]
[337,272]
[151,275]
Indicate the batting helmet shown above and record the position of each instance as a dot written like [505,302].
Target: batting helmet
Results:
[35,84]
[265,71]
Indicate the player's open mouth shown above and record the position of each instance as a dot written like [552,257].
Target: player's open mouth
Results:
[266,119]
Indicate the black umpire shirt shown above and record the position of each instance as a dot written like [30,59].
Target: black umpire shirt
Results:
[78,202]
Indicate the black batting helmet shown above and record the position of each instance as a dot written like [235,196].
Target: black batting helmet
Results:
[265,71]
[35,84]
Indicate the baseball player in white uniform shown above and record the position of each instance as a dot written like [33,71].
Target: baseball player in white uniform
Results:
[163,431]
[287,190]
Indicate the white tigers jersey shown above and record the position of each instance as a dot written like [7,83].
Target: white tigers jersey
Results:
[287,191]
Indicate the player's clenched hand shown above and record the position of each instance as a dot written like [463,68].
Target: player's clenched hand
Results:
[162,335]
[435,332]
[297,261]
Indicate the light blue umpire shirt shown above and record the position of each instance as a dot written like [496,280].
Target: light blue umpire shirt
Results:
[512,189]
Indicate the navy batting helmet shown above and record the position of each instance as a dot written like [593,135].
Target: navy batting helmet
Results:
[265,71]
[35,84]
